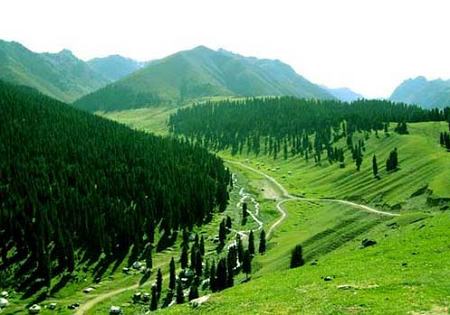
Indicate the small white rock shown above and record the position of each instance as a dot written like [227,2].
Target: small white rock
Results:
[137,265]
[114,310]
[4,294]
[3,302]
[34,309]
[88,290]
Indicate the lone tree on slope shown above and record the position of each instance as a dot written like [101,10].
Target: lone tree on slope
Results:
[297,257]
[172,275]
[247,264]
[262,242]
[251,243]
[375,166]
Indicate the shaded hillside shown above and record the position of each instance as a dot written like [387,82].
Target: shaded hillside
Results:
[423,92]
[115,67]
[60,75]
[73,183]
[201,72]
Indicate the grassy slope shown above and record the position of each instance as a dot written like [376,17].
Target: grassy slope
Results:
[405,272]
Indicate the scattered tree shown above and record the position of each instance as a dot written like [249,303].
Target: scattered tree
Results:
[247,263]
[262,242]
[180,293]
[375,166]
[159,281]
[193,292]
[172,274]
[154,300]
[297,257]
[251,243]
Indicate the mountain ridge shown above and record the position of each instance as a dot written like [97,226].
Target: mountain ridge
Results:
[423,92]
[115,67]
[61,75]
[201,72]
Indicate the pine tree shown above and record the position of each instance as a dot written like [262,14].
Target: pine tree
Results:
[262,242]
[172,274]
[202,246]
[154,300]
[244,210]
[392,161]
[222,233]
[185,241]
[221,275]
[198,264]
[240,247]
[247,263]
[358,157]
[148,257]
[212,277]
[228,223]
[193,257]
[168,299]
[180,293]
[193,292]
[297,257]
[230,271]
[375,166]
[232,256]
[184,257]
[159,281]
[251,243]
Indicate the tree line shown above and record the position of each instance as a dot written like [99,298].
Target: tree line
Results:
[285,126]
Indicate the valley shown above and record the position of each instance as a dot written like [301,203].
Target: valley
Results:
[208,182]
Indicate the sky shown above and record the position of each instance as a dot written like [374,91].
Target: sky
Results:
[368,46]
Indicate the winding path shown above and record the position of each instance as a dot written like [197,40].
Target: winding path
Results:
[283,197]
[286,196]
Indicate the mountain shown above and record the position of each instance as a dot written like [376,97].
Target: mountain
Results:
[423,92]
[60,75]
[344,94]
[115,67]
[201,72]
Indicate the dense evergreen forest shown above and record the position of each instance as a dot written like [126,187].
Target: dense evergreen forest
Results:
[288,126]
[73,184]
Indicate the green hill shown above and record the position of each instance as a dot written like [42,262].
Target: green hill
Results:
[420,91]
[402,274]
[200,72]
[60,75]
[115,67]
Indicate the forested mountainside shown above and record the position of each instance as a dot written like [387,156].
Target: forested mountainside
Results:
[75,185]
[59,75]
[201,72]
[423,92]
[291,126]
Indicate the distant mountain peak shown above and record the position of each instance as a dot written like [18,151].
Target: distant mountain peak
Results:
[344,94]
[423,92]
[60,75]
[202,72]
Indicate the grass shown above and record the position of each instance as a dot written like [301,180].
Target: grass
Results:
[403,274]
[406,272]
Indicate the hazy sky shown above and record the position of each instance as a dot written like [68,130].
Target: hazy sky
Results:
[369,46]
